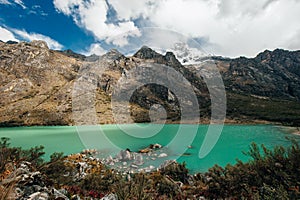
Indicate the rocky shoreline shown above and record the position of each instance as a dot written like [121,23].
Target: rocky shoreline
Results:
[30,184]
[80,176]
[291,130]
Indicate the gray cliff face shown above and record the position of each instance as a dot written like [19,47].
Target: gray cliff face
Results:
[271,74]
[36,86]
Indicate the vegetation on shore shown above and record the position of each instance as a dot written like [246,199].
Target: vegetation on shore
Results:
[271,174]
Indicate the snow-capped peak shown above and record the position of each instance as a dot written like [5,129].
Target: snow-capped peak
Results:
[188,55]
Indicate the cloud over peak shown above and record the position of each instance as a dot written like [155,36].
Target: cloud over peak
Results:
[225,27]
[6,35]
[22,34]
[232,27]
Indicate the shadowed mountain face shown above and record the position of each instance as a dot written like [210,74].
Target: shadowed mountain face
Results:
[266,87]
[37,87]
[271,74]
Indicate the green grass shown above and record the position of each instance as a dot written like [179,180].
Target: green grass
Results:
[275,110]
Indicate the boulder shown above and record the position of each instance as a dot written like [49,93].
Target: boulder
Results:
[124,155]
[138,160]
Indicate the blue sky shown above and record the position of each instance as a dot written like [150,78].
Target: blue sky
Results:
[222,27]
[41,17]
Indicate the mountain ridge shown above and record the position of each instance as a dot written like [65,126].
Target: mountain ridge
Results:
[36,86]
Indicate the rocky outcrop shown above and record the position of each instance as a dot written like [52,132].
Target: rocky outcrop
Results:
[72,54]
[35,85]
[147,53]
[270,74]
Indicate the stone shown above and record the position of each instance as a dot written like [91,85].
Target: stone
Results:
[38,196]
[124,155]
[11,42]
[138,160]
[150,148]
[162,155]
[59,195]
[134,166]
[146,150]
[110,197]
[75,197]
[39,43]
[155,146]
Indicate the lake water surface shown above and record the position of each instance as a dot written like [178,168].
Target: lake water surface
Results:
[111,138]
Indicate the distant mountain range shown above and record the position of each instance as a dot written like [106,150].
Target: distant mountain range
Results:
[36,85]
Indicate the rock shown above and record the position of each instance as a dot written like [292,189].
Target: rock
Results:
[110,197]
[162,155]
[138,160]
[146,53]
[148,169]
[11,42]
[114,54]
[39,43]
[146,150]
[75,197]
[124,155]
[59,195]
[71,53]
[134,166]
[109,159]
[82,166]
[89,151]
[155,146]
[38,196]
[150,148]
[19,192]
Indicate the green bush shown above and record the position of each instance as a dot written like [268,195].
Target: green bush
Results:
[270,174]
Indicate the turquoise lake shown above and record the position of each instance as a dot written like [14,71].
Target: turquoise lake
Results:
[109,139]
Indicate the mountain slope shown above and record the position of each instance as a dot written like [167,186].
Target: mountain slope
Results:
[37,86]
[266,87]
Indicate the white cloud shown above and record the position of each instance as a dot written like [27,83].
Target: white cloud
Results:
[35,36]
[231,27]
[133,9]
[6,35]
[294,41]
[20,3]
[92,16]
[96,49]
[6,2]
